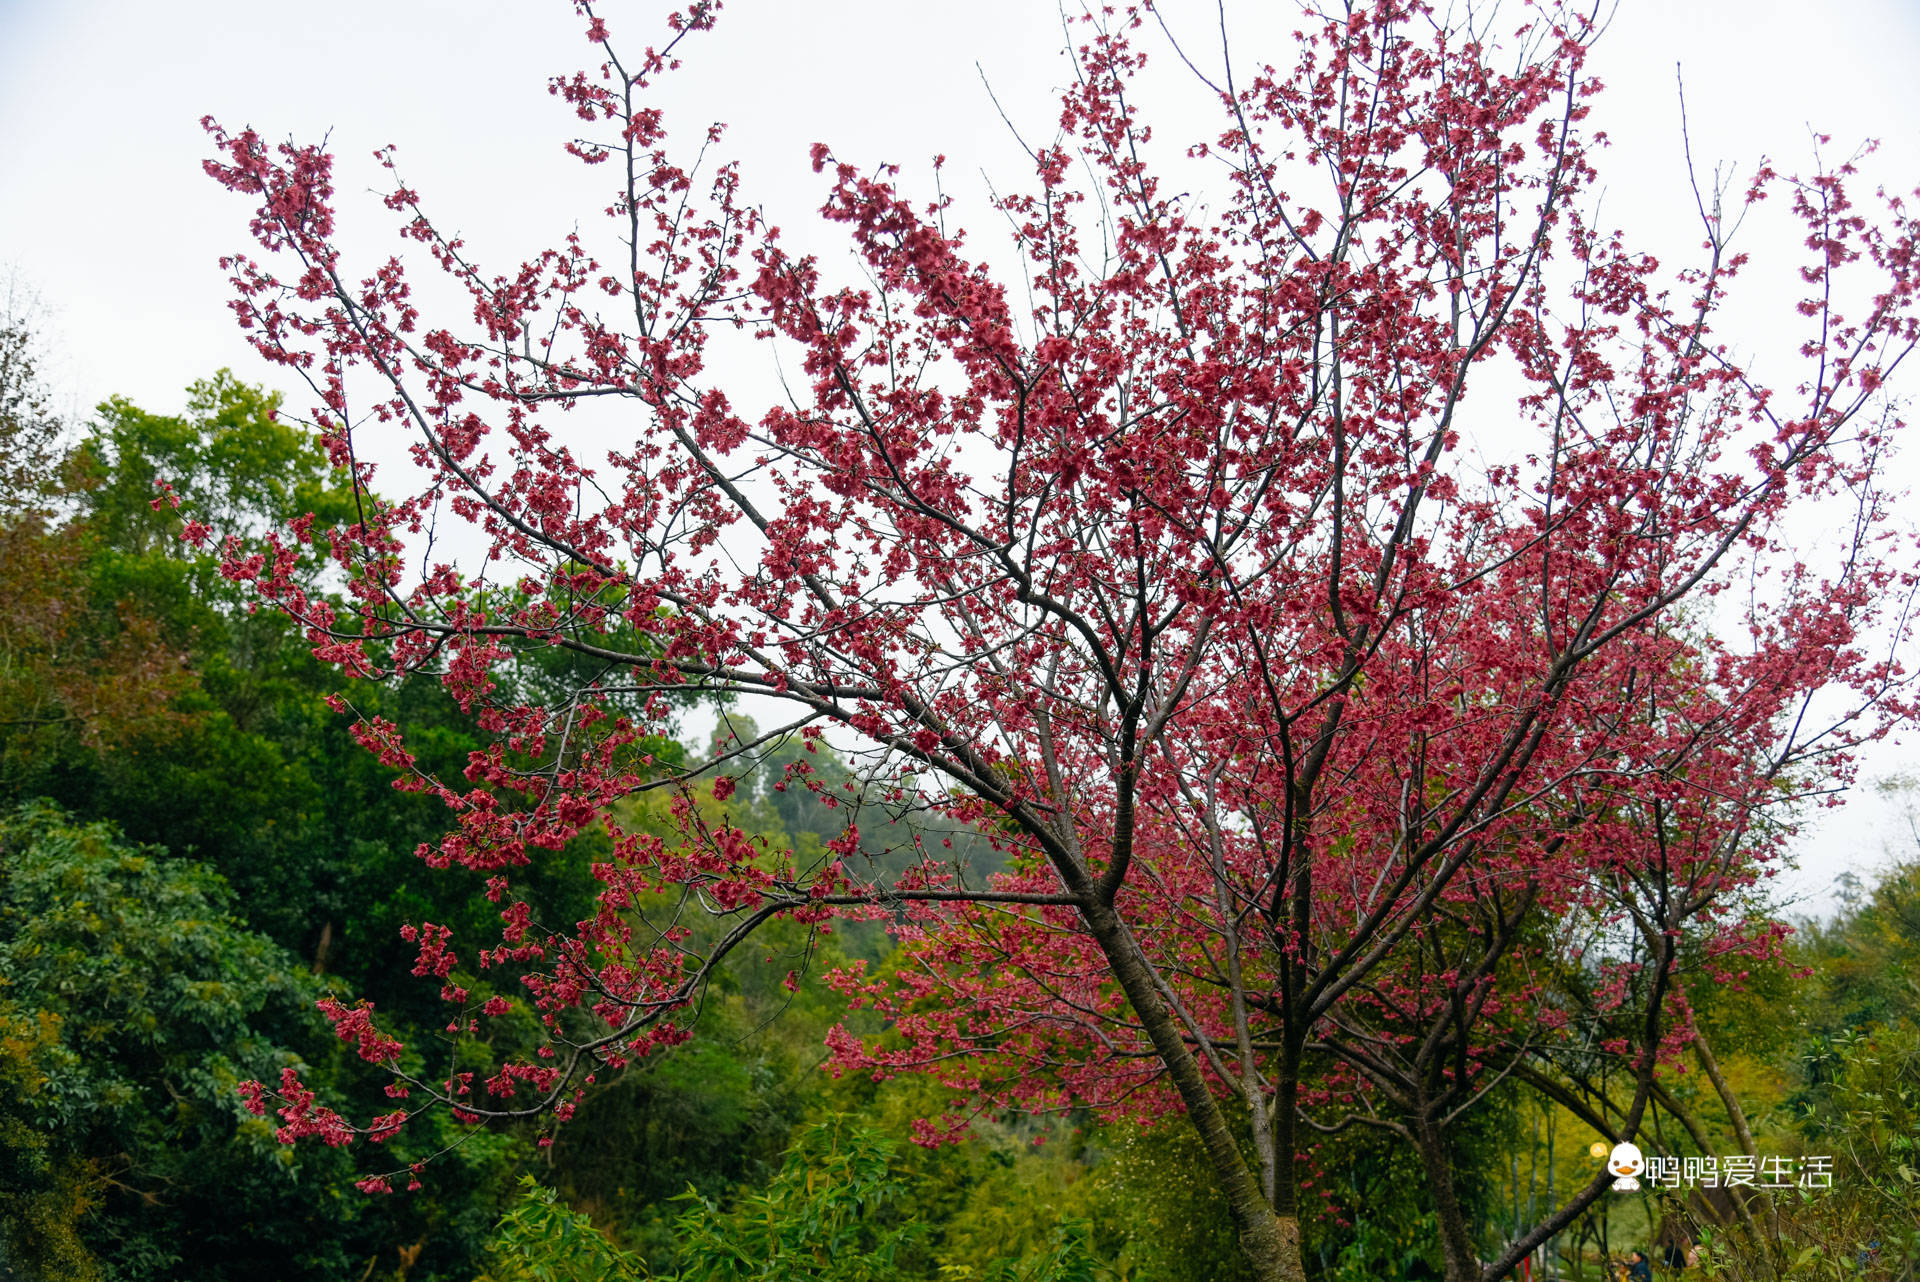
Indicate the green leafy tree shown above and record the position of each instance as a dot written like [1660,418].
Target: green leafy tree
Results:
[195,723]
[1856,1100]
[79,669]
[835,1213]
[540,1239]
[30,472]
[132,1002]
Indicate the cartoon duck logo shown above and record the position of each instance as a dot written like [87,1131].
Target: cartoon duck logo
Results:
[1625,1161]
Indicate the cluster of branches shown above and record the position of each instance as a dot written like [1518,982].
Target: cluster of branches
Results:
[1330,760]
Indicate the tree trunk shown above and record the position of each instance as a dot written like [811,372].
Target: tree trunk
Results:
[1735,1114]
[1270,1240]
[1463,1262]
[1553,1250]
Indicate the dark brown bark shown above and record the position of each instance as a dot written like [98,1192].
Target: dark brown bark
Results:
[1286,1132]
[1462,1262]
[1270,1240]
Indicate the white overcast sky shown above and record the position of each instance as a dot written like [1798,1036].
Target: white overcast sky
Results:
[104,209]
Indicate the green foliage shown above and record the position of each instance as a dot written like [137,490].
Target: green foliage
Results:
[1068,1256]
[230,754]
[712,1115]
[717,1112]
[1853,1095]
[1867,1225]
[1863,1112]
[1385,1225]
[1869,1103]
[234,463]
[242,765]
[838,1210]
[30,472]
[1166,1226]
[1382,1245]
[540,1240]
[834,1213]
[132,1003]
[1869,956]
